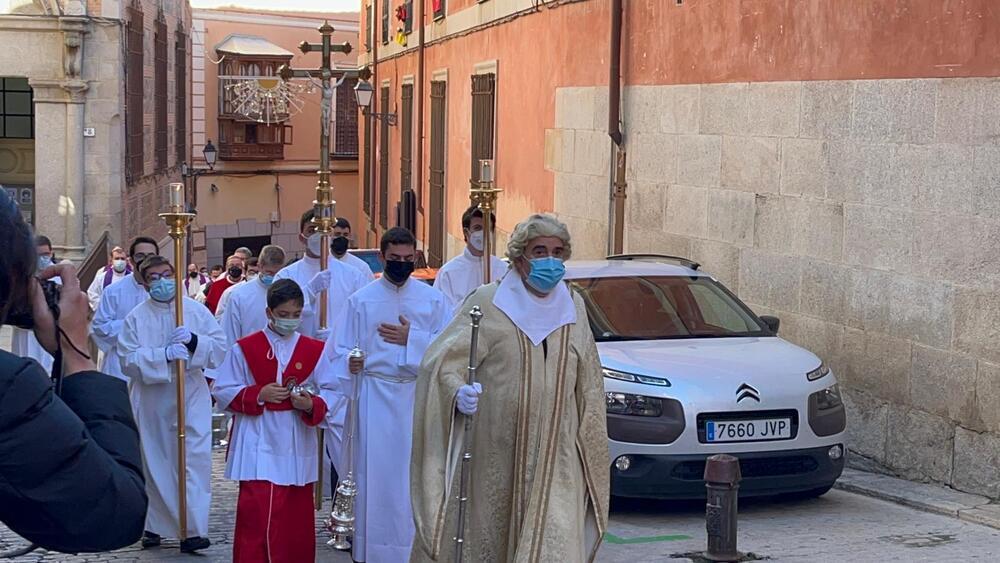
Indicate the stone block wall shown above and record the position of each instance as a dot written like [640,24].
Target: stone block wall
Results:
[865,214]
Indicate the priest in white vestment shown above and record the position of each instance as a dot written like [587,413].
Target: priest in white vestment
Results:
[393,321]
[540,475]
[149,345]
[463,274]
[117,301]
[274,450]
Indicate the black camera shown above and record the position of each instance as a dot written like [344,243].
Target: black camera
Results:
[21,315]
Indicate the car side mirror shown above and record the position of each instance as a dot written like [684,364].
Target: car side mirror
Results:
[773,323]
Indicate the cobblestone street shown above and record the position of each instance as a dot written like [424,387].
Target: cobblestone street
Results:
[838,527]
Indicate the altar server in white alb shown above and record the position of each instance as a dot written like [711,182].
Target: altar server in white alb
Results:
[393,321]
[274,450]
[246,310]
[117,301]
[340,279]
[461,275]
[150,343]
[340,242]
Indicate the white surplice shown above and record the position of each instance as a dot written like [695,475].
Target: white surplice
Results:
[246,310]
[463,274]
[355,262]
[117,301]
[344,280]
[153,391]
[97,286]
[276,446]
[384,521]
[23,343]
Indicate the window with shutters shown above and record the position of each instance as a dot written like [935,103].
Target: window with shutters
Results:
[385,22]
[345,130]
[383,162]
[435,247]
[406,139]
[369,26]
[483,122]
[133,94]
[408,21]
[439,8]
[160,93]
[180,95]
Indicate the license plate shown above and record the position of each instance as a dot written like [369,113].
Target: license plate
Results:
[748,430]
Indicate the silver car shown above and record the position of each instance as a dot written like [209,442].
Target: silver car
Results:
[690,371]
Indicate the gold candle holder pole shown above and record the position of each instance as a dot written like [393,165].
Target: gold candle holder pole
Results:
[483,194]
[177,220]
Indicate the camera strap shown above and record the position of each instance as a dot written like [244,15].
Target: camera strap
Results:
[57,367]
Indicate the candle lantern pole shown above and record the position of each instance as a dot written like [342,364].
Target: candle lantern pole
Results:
[483,193]
[177,219]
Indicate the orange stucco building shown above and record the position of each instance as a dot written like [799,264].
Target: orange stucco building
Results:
[834,163]
[265,175]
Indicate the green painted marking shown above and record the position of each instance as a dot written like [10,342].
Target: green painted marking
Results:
[611,538]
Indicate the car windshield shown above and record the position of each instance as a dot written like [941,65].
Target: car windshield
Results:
[664,307]
[371,258]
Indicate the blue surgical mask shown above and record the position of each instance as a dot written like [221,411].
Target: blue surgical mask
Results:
[266,279]
[546,273]
[44,262]
[163,290]
[285,327]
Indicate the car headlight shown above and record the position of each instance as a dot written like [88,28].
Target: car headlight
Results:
[635,378]
[829,398]
[820,372]
[635,405]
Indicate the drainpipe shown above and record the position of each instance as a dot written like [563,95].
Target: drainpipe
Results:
[616,228]
[372,147]
[420,122]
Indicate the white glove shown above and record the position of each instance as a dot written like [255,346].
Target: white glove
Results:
[319,282]
[177,352]
[180,335]
[322,334]
[467,398]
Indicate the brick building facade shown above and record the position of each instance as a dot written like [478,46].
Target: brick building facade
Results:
[834,163]
[71,169]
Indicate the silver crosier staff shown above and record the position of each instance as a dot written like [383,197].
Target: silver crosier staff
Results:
[463,495]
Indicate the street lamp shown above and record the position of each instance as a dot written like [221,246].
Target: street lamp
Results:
[363,93]
[211,154]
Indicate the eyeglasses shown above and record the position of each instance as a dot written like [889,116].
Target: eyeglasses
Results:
[138,257]
[157,277]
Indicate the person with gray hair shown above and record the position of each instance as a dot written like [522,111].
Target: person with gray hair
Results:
[244,305]
[540,393]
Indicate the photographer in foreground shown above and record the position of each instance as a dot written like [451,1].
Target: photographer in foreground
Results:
[70,468]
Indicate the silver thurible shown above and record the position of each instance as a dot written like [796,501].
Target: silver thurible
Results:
[340,524]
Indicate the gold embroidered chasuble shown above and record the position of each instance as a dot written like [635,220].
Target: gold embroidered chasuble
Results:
[540,470]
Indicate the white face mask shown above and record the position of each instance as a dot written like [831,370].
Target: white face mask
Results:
[477,241]
[313,244]
[119,266]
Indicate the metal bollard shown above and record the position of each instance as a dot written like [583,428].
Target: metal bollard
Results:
[722,481]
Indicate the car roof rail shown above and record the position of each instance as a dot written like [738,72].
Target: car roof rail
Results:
[664,257]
